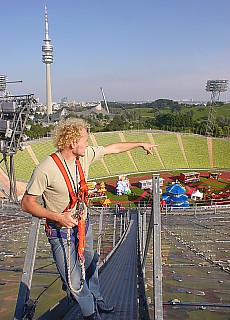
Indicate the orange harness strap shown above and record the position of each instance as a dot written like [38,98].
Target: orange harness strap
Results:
[72,194]
[81,196]
[83,192]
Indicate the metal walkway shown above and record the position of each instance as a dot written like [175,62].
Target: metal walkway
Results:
[118,279]
[120,273]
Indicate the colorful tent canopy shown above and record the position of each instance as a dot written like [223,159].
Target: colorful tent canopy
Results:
[175,189]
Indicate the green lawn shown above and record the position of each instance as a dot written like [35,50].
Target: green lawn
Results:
[203,111]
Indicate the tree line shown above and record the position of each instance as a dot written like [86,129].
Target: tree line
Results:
[162,114]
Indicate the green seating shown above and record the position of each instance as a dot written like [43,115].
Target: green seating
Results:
[24,165]
[43,149]
[107,138]
[170,151]
[118,163]
[143,161]
[97,169]
[196,150]
[221,153]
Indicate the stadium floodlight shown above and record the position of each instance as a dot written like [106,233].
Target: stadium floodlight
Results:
[215,87]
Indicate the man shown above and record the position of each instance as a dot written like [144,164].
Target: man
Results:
[47,180]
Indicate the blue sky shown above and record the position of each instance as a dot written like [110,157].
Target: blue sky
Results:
[135,50]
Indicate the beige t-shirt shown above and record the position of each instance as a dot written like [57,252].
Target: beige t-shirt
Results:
[47,179]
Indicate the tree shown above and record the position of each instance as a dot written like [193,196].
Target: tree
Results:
[38,131]
[118,123]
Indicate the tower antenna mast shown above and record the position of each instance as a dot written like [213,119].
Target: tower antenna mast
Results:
[104,98]
[47,58]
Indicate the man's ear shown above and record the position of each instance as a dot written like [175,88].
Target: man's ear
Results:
[73,145]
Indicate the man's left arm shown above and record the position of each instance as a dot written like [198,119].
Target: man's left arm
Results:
[126,146]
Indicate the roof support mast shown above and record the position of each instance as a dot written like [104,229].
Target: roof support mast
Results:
[103,95]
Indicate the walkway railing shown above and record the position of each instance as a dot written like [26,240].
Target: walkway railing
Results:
[25,306]
[122,270]
[145,234]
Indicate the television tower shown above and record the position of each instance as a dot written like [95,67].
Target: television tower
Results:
[47,58]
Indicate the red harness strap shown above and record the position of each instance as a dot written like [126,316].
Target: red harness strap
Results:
[83,192]
[81,196]
[72,195]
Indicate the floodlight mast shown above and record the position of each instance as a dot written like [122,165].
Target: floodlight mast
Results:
[216,87]
[14,113]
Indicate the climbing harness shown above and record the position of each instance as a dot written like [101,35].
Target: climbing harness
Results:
[77,200]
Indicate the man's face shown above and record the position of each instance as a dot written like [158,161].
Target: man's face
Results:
[80,146]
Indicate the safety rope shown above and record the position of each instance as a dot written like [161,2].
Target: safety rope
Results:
[82,265]
[30,305]
[78,215]
[46,288]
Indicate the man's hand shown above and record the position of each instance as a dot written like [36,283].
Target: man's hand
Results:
[127,146]
[148,147]
[29,204]
[65,219]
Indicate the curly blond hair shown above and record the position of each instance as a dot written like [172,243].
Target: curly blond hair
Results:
[68,131]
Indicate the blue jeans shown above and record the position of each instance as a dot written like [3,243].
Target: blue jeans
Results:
[90,288]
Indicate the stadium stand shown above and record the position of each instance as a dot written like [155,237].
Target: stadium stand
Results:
[142,161]
[221,153]
[117,164]
[107,138]
[24,165]
[43,149]
[196,151]
[170,152]
[97,169]
[90,139]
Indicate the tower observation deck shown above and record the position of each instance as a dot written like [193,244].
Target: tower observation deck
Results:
[47,58]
